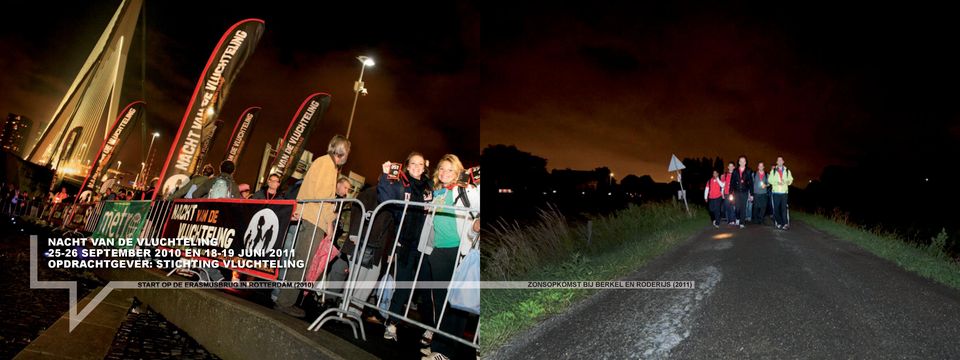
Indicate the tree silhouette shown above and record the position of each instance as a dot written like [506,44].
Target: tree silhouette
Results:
[513,169]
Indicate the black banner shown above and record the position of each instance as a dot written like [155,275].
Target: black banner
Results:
[249,233]
[295,139]
[66,150]
[241,132]
[209,133]
[211,91]
[129,116]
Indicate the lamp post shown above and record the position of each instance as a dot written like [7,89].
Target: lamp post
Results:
[136,180]
[611,179]
[143,175]
[358,88]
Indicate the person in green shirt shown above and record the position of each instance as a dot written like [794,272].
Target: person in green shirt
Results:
[780,180]
[454,233]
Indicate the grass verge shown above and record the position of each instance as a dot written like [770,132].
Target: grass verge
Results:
[551,250]
[930,261]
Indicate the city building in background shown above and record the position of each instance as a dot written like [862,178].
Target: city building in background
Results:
[13,135]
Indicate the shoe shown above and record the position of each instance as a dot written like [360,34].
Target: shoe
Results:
[786,227]
[738,222]
[373,319]
[779,226]
[732,223]
[427,338]
[291,310]
[435,356]
[390,333]
[742,226]
[715,225]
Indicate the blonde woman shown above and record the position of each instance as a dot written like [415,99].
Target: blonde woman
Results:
[452,233]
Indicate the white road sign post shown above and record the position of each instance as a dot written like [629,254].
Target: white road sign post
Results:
[676,166]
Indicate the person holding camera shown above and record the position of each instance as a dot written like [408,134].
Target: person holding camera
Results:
[411,184]
[451,233]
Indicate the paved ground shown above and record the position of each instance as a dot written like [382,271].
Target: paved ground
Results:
[25,313]
[760,293]
[145,334]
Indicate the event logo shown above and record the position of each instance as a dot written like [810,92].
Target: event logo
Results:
[262,231]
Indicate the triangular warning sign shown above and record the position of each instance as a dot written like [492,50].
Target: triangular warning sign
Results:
[675,164]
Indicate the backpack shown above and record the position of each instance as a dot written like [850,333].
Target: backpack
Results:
[462,198]
[219,190]
[190,192]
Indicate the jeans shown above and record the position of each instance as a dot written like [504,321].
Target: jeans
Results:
[760,203]
[729,209]
[741,199]
[780,209]
[287,246]
[715,206]
[407,259]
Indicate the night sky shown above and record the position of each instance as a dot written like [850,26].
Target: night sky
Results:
[423,90]
[821,84]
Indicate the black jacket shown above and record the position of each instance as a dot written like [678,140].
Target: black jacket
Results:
[262,195]
[394,190]
[744,184]
[383,231]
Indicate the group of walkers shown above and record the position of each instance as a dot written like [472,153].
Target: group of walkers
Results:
[742,193]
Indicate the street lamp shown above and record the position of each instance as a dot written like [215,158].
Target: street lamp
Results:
[136,180]
[358,88]
[611,179]
[155,135]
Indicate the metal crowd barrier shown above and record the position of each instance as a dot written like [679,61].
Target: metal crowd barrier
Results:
[160,209]
[94,216]
[22,208]
[340,313]
[355,266]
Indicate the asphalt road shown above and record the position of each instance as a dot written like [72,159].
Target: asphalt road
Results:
[760,293]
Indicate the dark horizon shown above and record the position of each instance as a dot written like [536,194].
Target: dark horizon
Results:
[629,85]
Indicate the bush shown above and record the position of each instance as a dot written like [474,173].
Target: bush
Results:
[938,244]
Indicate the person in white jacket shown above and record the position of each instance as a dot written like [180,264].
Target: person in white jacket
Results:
[452,233]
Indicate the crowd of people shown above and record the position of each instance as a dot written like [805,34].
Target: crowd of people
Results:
[742,194]
[439,237]
[21,203]
[452,233]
